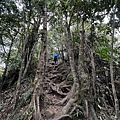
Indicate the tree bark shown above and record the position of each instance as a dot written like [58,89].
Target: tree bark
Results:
[7,60]
[38,94]
[73,95]
[111,67]
[28,45]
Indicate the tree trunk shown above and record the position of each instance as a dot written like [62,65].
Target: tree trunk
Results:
[62,53]
[7,61]
[111,67]
[19,77]
[73,95]
[81,71]
[38,94]
[28,62]
[28,45]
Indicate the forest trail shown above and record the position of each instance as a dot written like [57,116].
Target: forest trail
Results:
[57,84]
[55,90]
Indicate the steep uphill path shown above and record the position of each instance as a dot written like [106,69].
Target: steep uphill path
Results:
[57,84]
[56,87]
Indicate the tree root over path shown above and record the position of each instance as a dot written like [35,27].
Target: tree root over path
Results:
[58,89]
[64,117]
[71,98]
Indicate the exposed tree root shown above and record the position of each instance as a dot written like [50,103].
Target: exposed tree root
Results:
[67,107]
[72,98]
[64,117]
[57,90]
[72,94]
[60,89]
[75,106]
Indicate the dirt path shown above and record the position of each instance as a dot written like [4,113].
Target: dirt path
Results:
[54,76]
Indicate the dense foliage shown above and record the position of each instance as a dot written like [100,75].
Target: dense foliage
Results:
[32,30]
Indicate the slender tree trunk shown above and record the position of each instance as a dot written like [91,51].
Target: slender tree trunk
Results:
[92,94]
[20,76]
[62,53]
[24,44]
[7,60]
[73,95]
[81,56]
[28,62]
[111,67]
[92,78]
[1,40]
[33,36]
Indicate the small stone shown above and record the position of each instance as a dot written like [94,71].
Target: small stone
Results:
[49,114]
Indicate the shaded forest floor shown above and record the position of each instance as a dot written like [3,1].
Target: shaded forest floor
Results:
[57,84]
[56,89]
